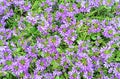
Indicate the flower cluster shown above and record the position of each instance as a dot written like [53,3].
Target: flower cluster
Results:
[57,39]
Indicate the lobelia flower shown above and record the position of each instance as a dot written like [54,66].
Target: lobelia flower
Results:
[23,62]
[26,6]
[74,74]
[70,36]
[8,64]
[81,46]
[2,64]
[56,73]
[95,26]
[64,61]
[18,2]
[21,25]
[109,32]
[8,33]
[32,18]
[94,3]
[38,74]
[108,2]
[26,75]
[6,53]
[118,10]
[88,74]
[41,64]
[43,26]
[106,52]
[15,68]
[54,40]
[32,51]
[84,62]
[116,70]
[85,6]
[9,14]
[48,76]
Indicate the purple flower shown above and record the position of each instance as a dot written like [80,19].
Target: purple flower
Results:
[32,18]
[109,32]
[48,76]
[25,6]
[41,64]
[6,54]
[106,52]
[57,73]
[23,62]
[15,68]
[37,74]
[8,33]
[54,41]
[74,74]
[32,51]
[118,10]
[95,26]
[84,62]
[108,2]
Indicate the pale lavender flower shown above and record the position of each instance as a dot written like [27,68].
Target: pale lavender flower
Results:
[54,41]
[37,74]
[23,62]
[42,64]
[109,32]
[95,26]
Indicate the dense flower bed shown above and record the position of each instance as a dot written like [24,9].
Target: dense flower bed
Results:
[59,39]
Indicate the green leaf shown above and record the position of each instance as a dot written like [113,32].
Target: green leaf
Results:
[57,77]
[79,16]
[93,37]
[55,64]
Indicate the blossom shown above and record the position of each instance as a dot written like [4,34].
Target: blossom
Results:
[95,26]
[23,62]
[54,41]
[42,64]
[109,32]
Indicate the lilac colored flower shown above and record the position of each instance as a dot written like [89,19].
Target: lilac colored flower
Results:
[70,36]
[37,74]
[8,64]
[116,70]
[84,62]
[48,76]
[8,33]
[95,26]
[88,75]
[41,43]
[42,64]
[23,62]
[44,25]
[32,18]
[18,2]
[32,51]
[15,68]
[9,14]
[64,61]
[106,52]
[21,25]
[6,54]
[109,32]
[54,41]
[57,73]
[118,10]
[74,74]
[108,2]
[25,6]
[81,46]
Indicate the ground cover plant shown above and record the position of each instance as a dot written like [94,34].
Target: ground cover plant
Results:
[59,39]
